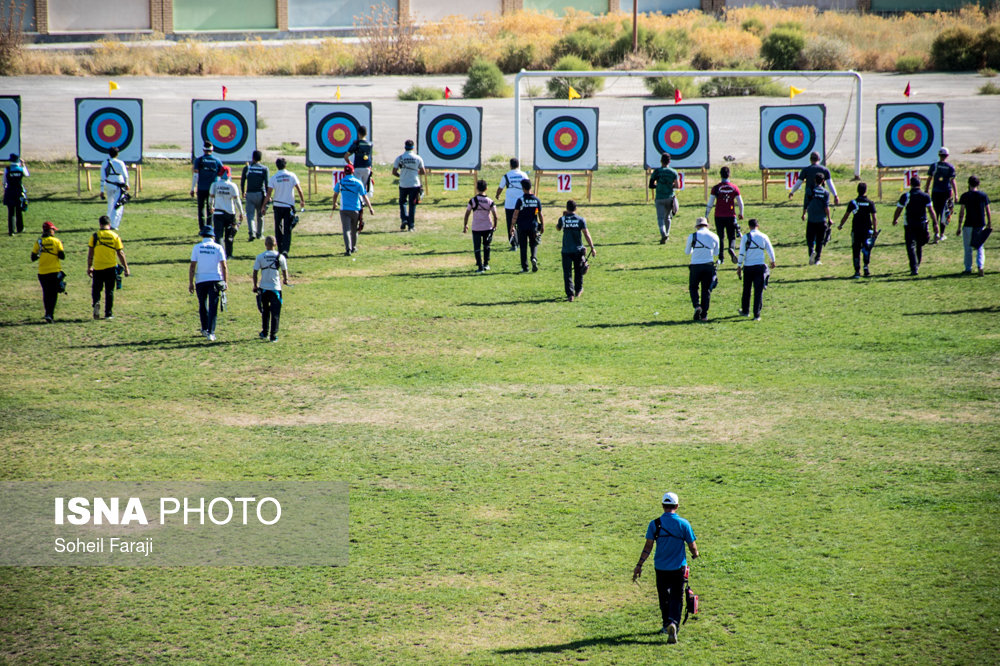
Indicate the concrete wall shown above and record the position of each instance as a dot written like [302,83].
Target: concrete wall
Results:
[328,13]
[558,7]
[661,6]
[818,4]
[225,15]
[435,10]
[920,5]
[98,15]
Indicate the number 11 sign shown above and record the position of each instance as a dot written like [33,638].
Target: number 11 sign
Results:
[450,181]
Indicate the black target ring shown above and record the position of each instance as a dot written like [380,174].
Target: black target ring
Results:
[108,118]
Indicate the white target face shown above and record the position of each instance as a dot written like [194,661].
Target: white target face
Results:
[231,126]
[908,134]
[10,126]
[331,128]
[788,134]
[566,138]
[449,137]
[103,124]
[679,130]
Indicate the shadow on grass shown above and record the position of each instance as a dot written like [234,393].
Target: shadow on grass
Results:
[166,343]
[989,309]
[525,301]
[41,322]
[648,638]
[434,252]
[646,268]
[162,262]
[434,276]
[662,322]
[906,277]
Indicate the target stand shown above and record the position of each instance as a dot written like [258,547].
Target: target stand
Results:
[891,175]
[703,182]
[767,177]
[86,167]
[539,174]
[461,172]
[312,178]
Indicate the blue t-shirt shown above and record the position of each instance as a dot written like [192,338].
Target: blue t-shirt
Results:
[351,190]
[208,167]
[674,533]
[941,174]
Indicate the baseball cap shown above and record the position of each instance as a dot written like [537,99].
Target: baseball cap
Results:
[700,222]
[13,157]
[48,226]
[408,144]
[348,168]
[225,171]
[670,498]
[207,231]
[943,151]
[208,146]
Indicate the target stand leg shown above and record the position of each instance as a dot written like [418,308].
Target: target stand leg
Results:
[645,184]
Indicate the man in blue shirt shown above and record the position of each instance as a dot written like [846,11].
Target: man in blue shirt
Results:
[669,532]
[350,211]
[204,172]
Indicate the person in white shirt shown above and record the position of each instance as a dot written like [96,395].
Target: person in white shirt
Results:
[511,182]
[703,246]
[281,190]
[268,265]
[207,276]
[114,183]
[224,202]
[408,167]
[755,249]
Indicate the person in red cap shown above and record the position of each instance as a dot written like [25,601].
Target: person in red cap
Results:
[48,252]
[224,202]
[354,195]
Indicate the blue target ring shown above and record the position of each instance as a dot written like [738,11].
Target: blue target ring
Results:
[909,135]
[565,139]
[108,128]
[6,129]
[226,129]
[792,137]
[677,136]
[448,136]
[336,132]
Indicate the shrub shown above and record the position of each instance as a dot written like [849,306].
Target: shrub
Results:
[955,50]
[517,56]
[670,46]
[559,86]
[909,64]
[485,80]
[989,88]
[754,26]
[988,46]
[736,86]
[665,86]
[585,42]
[783,48]
[417,93]
[987,72]
[825,53]
[11,37]
[386,45]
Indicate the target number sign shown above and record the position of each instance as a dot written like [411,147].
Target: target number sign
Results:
[788,134]
[103,124]
[337,177]
[680,181]
[450,137]
[231,126]
[451,182]
[679,130]
[566,138]
[331,129]
[10,125]
[791,177]
[909,175]
[564,182]
[908,134]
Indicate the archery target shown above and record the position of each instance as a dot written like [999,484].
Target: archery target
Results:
[680,130]
[231,126]
[908,134]
[103,124]
[448,137]
[10,126]
[789,133]
[331,128]
[565,138]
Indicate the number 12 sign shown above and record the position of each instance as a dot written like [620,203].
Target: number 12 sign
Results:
[450,181]
[564,182]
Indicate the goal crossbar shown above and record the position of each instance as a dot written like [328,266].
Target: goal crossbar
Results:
[707,73]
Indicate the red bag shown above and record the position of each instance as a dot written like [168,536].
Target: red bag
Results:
[690,598]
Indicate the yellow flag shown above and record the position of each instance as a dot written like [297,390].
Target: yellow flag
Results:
[338,94]
[573,94]
[793,91]
[112,86]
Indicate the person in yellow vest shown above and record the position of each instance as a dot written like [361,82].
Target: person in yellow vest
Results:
[105,254]
[48,252]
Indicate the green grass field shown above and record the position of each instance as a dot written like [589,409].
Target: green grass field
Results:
[505,449]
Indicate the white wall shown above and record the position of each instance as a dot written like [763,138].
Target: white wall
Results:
[435,10]
[818,4]
[98,15]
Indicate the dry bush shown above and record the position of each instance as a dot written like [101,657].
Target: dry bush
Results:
[724,47]
[112,58]
[451,45]
[822,52]
[11,37]
[387,43]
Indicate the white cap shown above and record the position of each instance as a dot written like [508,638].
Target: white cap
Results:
[943,151]
[700,222]
[670,498]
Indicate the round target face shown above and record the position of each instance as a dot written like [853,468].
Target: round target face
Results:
[108,128]
[448,136]
[335,133]
[792,137]
[565,139]
[6,128]
[909,134]
[676,136]
[226,129]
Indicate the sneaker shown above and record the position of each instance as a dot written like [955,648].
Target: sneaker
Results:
[402,227]
[250,239]
[671,633]
[513,247]
[697,314]
[524,270]
[914,273]
[486,268]
[211,337]
[666,238]
[108,317]
[579,292]
[704,316]
[97,310]
[204,333]
[534,265]
[867,272]
[663,240]
[48,319]
[817,263]
[742,313]
[812,258]
[347,253]
[981,272]
[757,318]
[479,271]
[570,298]
[943,237]
[262,335]
[274,339]
[857,276]
[663,630]
[732,255]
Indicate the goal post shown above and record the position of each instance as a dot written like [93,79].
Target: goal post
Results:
[693,74]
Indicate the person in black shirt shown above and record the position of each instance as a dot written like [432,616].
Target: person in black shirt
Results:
[363,165]
[13,192]
[918,206]
[818,223]
[530,225]
[253,187]
[807,177]
[863,225]
[204,171]
[574,255]
[943,191]
[975,214]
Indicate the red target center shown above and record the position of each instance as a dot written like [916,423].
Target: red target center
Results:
[338,135]
[566,139]
[224,130]
[448,136]
[792,137]
[909,135]
[109,131]
[676,136]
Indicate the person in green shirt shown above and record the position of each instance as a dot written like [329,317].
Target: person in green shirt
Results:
[663,182]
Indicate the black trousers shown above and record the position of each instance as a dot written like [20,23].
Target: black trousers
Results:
[202,207]
[283,228]
[270,314]
[670,590]
[700,279]
[527,238]
[15,216]
[225,231]
[913,236]
[511,236]
[408,205]
[753,278]
[938,201]
[208,305]
[50,291]
[815,235]
[572,265]
[725,227]
[858,239]
[104,279]
[482,239]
